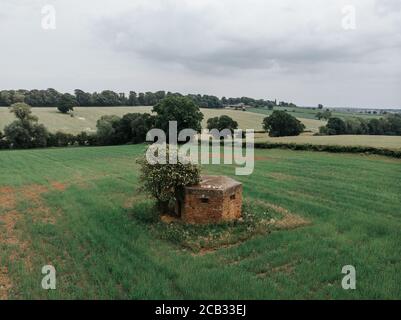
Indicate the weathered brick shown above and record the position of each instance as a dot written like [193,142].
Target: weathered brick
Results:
[216,199]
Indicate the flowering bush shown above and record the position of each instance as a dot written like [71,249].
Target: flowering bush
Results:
[166,181]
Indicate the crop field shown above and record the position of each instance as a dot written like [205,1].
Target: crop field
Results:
[388,142]
[79,210]
[85,118]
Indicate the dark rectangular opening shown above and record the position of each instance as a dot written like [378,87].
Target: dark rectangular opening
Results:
[204,200]
[232,197]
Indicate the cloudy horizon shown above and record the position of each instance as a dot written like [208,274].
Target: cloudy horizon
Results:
[308,52]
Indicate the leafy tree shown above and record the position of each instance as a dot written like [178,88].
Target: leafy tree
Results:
[25,132]
[66,103]
[281,124]
[326,115]
[394,124]
[60,139]
[221,123]
[180,109]
[133,127]
[132,99]
[83,98]
[3,142]
[107,130]
[336,126]
[141,126]
[166,182]
[23,112]
[320,106]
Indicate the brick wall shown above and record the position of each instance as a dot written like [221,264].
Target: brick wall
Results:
[212,206]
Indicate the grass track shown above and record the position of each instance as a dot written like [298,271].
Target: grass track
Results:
[99,251]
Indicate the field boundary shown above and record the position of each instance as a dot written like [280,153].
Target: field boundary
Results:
[329,148]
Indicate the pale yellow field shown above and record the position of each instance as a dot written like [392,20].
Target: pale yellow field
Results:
[388,142]
[85,118]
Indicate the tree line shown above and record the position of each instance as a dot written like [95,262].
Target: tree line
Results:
[66,101]
[26,132]
[389,125]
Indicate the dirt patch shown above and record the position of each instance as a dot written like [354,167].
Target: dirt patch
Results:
[5,283]
[33,192]
[169,219]
[58,186]
[8,222]
[8,237]
[289,220]
[7,198]
[42,214]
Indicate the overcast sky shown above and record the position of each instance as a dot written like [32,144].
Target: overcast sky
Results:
[288,50]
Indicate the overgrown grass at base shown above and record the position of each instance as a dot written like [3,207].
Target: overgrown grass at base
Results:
[73,208]
[257,219]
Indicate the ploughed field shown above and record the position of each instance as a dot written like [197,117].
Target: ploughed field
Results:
[79,210]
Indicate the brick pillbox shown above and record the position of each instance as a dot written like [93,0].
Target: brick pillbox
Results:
[215,199]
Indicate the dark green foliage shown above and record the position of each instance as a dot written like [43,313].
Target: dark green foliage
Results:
[51,98]
[329,148]
[61,139]
[166,182]
[281,124]
[133,127]
[221,123]
[325,115]
[180,109]
[389,125]
[83,98]
[3,142]
[107,130]
[25,132]
[336,126]
[66,103]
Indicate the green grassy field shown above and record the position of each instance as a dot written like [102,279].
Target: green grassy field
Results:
[78,209]
[85,118]
[388,142]
[308,113]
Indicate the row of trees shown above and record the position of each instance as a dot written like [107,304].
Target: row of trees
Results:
[389,125]
[53,98]
[26,132]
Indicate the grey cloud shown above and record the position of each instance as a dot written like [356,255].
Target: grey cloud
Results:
[388,6]
[194,39]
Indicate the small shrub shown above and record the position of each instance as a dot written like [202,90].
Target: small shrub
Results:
[166,182]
